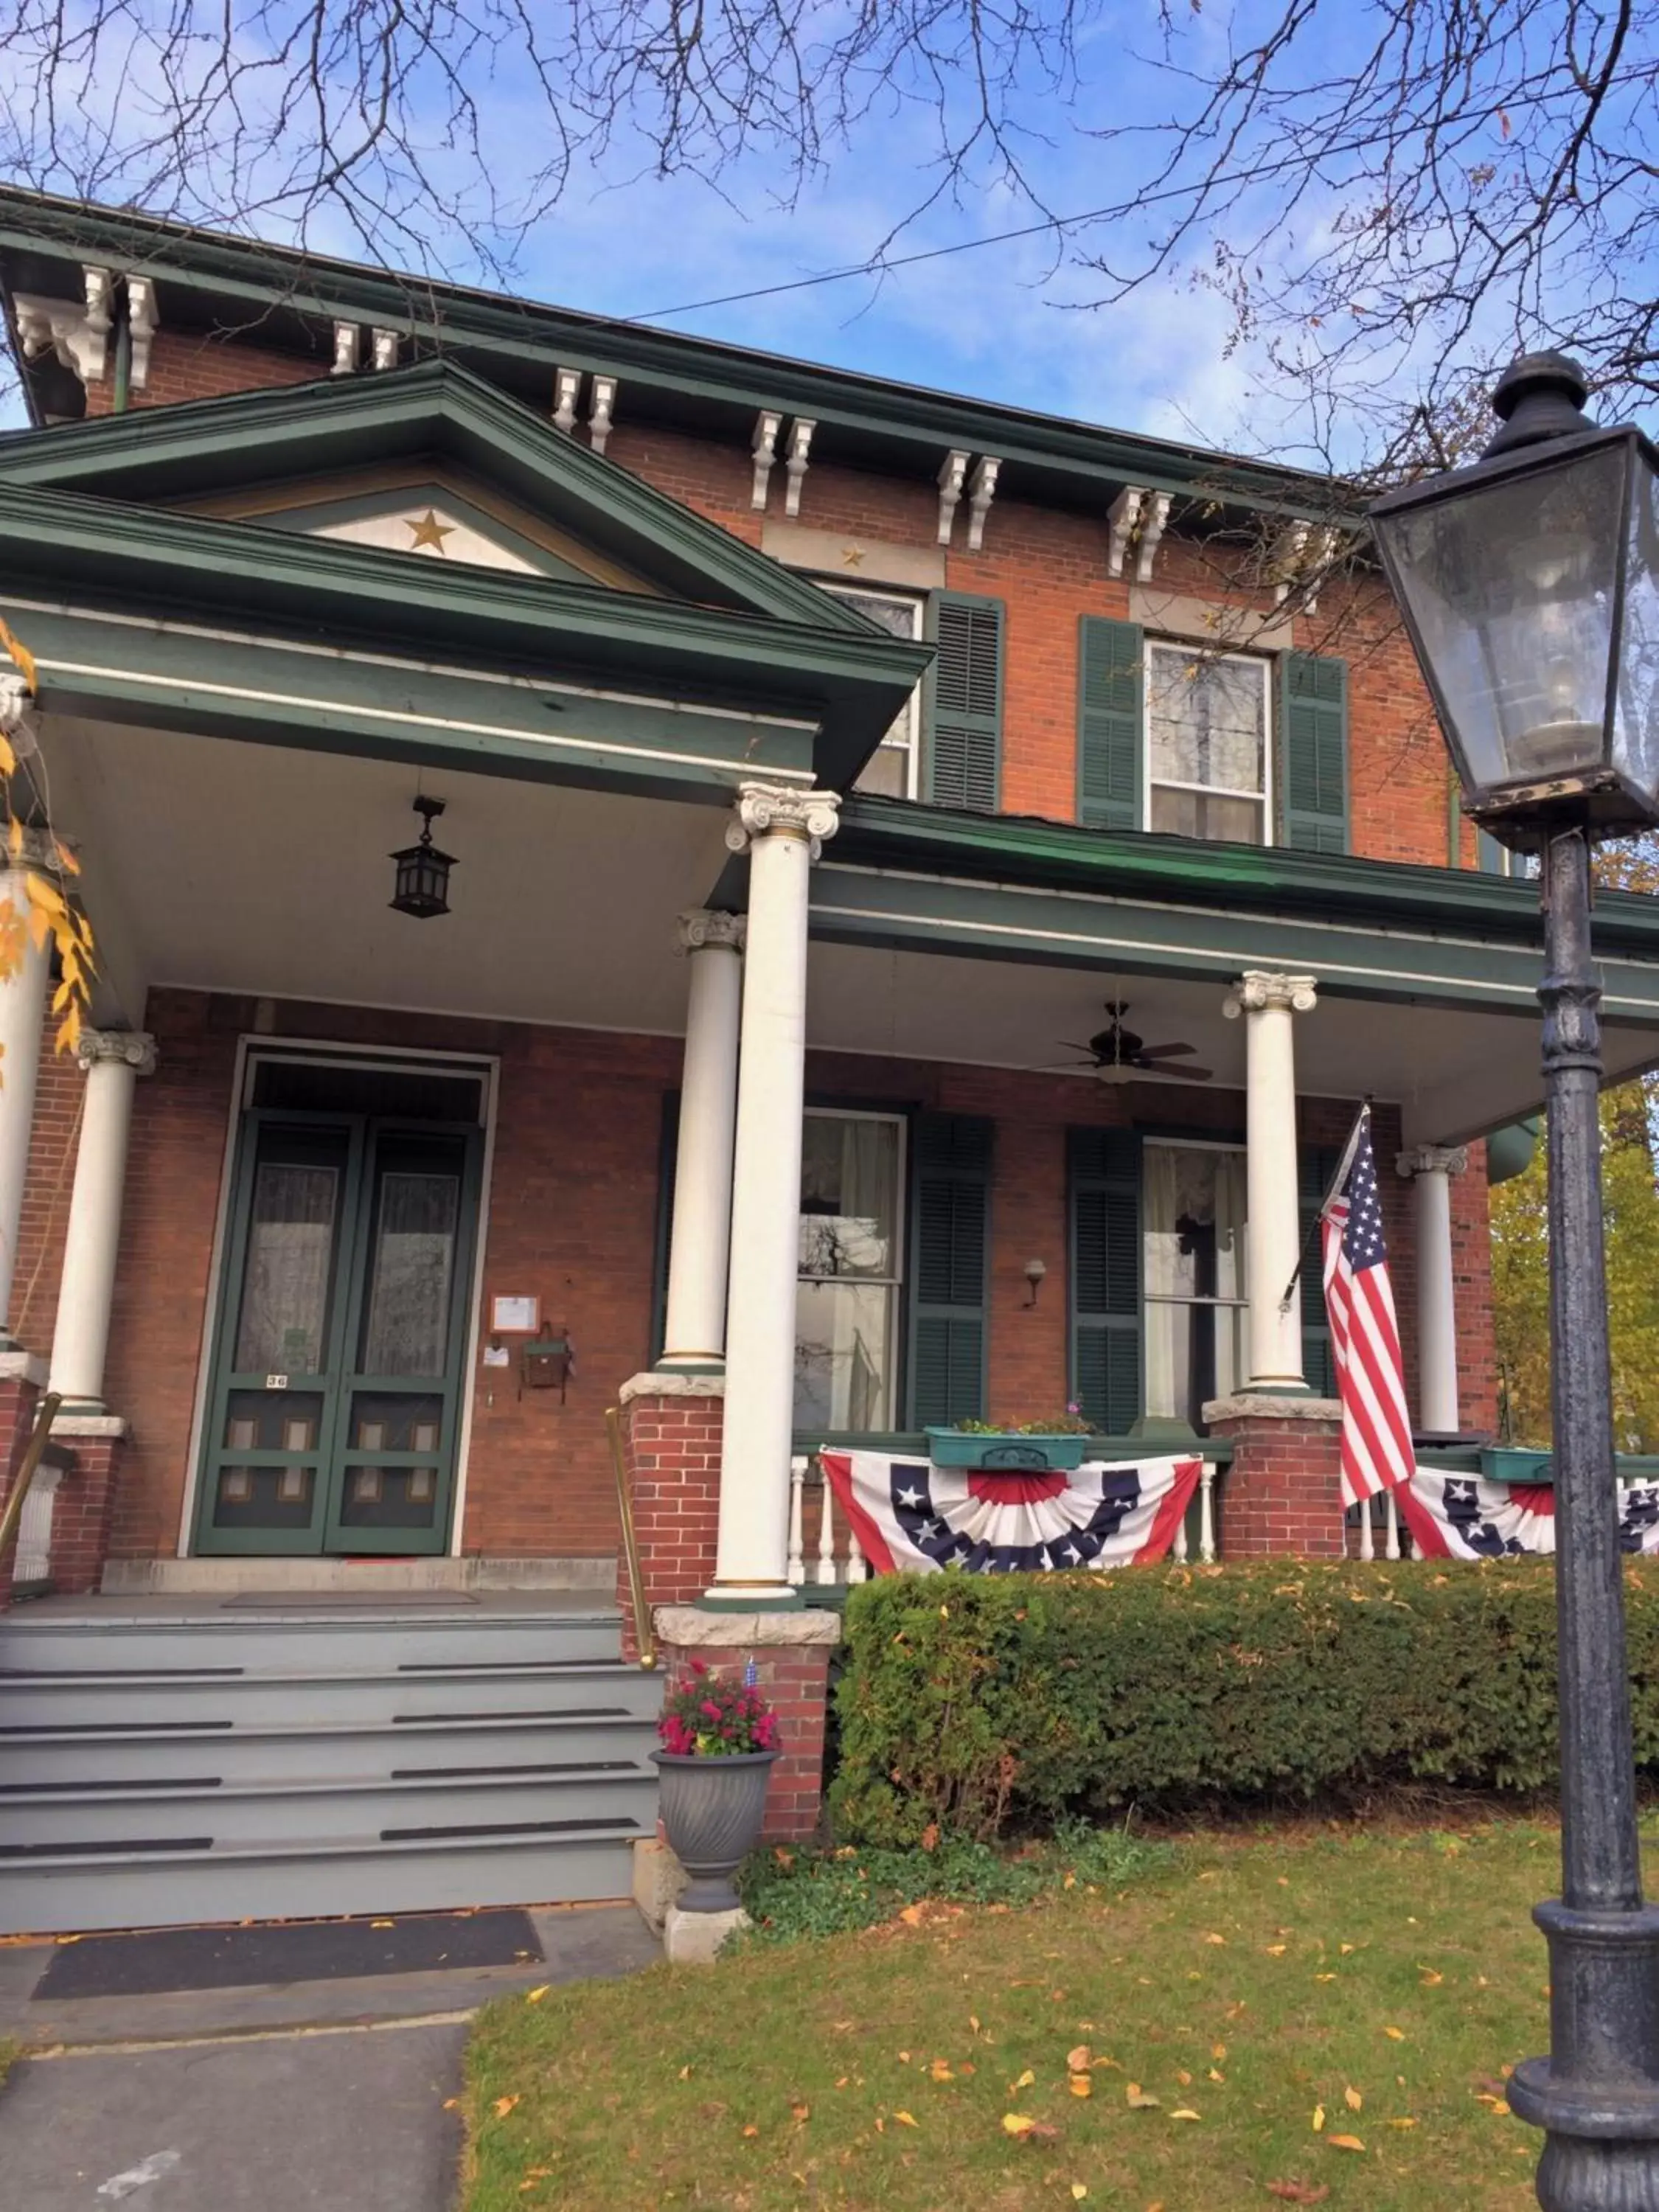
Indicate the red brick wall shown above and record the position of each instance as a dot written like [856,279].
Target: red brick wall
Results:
[58,1098]
[671,1450]
[189,365]
[1283,1493]
[82,1512]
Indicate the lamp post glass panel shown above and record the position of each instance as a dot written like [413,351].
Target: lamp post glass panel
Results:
[1529,584]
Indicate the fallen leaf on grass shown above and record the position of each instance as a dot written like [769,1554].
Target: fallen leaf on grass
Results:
[1213,1938]
[1082,2084]
[504,2105]
[941,2071]
[751,2130]
[1406,2122]
[1395,2034]
[1183,2115]
[1016,2124]
[800,2111]
[1079,2190]
[1137,2099]
[1431,1981]
[1353,2100]
[1318,2122]
[535,1997]
[911,1915]
[1078,2059]
[1346,2143]
[905,2119]
[1276,1950]
[1215,2076]
[685,2074]
[1298,2192]
[1217,2051]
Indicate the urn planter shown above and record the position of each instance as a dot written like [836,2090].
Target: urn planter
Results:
[712,1810]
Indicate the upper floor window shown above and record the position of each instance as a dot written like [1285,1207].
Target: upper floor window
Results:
[895,767]
[1207,744]
[1245,748]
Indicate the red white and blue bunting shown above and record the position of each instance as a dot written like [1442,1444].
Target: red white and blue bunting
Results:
[1455,1517]
[911,1516]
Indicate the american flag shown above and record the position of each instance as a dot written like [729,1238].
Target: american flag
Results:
[1376,1430]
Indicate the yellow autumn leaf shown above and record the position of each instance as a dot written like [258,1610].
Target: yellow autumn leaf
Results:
[1080,2191]
[905,2119]
[535,1997]
[14,836]
[1215,2076]
[1184,2114]
[940,2071]
[1430,1981]
[1024,2081]
[1081,2085]
[1137,2098]
[1345,1948]
[1353,2100]
[43,893]
[1346,2143]
[1276,1950]
[8,758]
[1079,2058]
[973,2021]
[1407,2122]
[1217,2051]
[1016,2124]
[911,1915]
[1211,1937]
[751,2130]
[20,656]
[504,2105]
[1395,2034]
[800,2111]
[1318,2118]
[66,859]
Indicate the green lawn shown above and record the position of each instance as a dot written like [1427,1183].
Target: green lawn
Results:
[1330,2013]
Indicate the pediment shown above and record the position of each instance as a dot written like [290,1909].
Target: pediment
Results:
[427,462]
[431,511]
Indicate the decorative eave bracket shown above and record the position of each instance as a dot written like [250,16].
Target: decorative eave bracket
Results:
[1136,517]
[76,330]
[800,444]
[384,347]
[1301,563]
[601,404]
[764,449]
[959,473]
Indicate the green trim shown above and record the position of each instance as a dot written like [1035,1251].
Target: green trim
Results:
[1106,1332]
[952,1192]
[889,832]
[1313,752]
[208,280]
[962,701]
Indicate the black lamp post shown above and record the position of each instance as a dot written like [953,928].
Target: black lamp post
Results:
[1530,583]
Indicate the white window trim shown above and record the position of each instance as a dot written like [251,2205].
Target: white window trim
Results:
[1264,797]
[895,594]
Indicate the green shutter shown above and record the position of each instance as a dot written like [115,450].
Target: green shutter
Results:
[1103,1180]
[1111,659]
[1315,1165]
[1314,752]
[950,1254]
[962,698]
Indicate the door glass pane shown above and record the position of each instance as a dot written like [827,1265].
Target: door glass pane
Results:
[264,1497]
[395,1421]
[273,1421]
[406,1314]
[389,1497]
[844,1355]
[282,1320]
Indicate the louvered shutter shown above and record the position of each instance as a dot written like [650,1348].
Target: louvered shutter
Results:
[1111,722]
[1103,1177]
[668,1146]
[950,1249]
[1314,752]
[964,702]
[1315,1165]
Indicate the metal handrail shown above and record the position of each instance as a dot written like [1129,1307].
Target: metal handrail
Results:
[642,1635]
[33,1453]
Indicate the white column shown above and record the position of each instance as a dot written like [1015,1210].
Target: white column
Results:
[781,831]
[1269,1003]
[23,1015]
[113,1061]
[1431,1168]
[694,1332]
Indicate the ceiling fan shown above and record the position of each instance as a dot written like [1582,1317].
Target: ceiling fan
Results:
[1116,1054]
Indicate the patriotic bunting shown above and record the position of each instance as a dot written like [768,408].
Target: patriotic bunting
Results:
[912,1517]
[1456,1517]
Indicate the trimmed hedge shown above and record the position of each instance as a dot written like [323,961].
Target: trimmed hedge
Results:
[982,1704]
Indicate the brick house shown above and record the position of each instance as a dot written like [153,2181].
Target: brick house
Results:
[920,846]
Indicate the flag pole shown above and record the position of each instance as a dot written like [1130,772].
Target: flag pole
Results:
[1335,1185]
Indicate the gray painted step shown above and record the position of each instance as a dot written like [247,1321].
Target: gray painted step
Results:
[321,1813]
[254,1642]
[162,1889]
[85,1699]
[624,1729]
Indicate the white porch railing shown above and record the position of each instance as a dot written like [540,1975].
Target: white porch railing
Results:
[834,1555]
[1365,1514]
[32,1562]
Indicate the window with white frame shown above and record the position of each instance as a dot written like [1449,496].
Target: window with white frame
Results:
[895,767]
[1193,1243]
[1208,744]
[848,1300]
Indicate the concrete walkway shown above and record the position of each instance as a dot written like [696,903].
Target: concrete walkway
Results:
[335,2095]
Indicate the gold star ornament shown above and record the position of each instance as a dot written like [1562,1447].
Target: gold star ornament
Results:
[428,531]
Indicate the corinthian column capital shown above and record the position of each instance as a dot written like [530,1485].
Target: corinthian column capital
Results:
[1258,988]
[769,810]
[700,928]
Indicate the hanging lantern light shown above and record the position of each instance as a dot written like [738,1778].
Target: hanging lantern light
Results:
[423,871]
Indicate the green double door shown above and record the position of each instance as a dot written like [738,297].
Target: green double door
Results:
[334,1406]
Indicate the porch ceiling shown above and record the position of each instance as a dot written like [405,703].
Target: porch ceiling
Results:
[1455,1071]
[260,869]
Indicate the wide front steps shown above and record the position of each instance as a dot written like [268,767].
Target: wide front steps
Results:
[159,1765]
